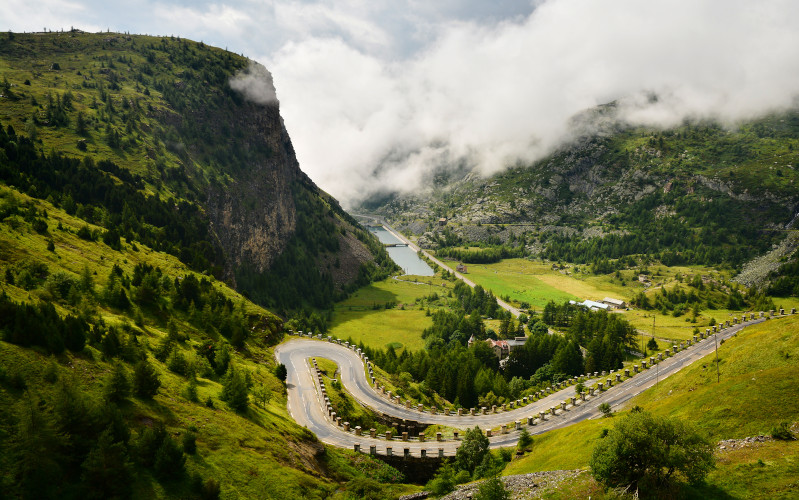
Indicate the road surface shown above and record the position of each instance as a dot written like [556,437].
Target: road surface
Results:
[306,406]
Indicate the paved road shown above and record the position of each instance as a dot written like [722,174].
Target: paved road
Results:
[305,403]
[513,310]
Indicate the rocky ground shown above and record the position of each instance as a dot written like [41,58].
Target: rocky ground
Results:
[522,487]
[756,271]
[749,442]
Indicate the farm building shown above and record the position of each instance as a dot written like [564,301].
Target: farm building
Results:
[614,303]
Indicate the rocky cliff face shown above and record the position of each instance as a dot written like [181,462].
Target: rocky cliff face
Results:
[254,215]
[285,241]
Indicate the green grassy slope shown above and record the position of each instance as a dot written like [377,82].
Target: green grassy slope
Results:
[256,453]
[758,373]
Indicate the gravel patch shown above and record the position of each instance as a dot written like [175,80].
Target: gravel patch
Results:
[736,444]
[522,487]
[757,270]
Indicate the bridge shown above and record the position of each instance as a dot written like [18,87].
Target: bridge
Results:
[395,244]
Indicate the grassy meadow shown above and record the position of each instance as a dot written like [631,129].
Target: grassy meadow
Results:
[536,283]
[757,391]
[365,318]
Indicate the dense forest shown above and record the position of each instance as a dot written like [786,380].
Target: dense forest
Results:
[712,232]
[470,374]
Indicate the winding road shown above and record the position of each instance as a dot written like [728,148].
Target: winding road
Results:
[306,403]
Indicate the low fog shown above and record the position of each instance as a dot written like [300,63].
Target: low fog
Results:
[490,95]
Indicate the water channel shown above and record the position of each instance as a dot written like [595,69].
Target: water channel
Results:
[407,259]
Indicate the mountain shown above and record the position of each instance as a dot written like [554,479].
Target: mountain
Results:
[149,211]
[701,193]
[211,166]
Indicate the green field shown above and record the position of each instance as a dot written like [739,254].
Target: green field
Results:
[537,283]
[520,280]
[364,318]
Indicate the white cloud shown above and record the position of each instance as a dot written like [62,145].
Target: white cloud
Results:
[491,94]
[375,94]
[255,82]
[220,20]
[18,15]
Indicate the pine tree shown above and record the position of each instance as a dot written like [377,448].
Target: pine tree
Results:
[36,452]
[234,390]
[107,469]
[81,127]
[169,460]
[221,358]
[145,380]
[118,386]
[281,372]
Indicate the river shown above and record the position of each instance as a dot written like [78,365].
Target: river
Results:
[406,258]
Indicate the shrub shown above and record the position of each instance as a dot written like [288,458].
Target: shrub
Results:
[443,482]
[492,489]
[642,448]
[366,488]
[782,432]
[190,391]
[210,490]
[605,409]
[189,442]
[176,362]
[525,440]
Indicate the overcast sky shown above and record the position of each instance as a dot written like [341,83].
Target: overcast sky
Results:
[376,93]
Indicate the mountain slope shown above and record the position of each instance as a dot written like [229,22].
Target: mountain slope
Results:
[699,193]
[747,399]
[137,188]
[160,116]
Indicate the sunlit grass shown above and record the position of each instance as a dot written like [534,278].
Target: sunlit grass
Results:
[757,390]
[364,318]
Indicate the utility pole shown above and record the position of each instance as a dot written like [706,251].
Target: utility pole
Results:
[718,375]
[642,344]
[653,325]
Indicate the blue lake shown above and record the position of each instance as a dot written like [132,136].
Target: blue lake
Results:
[406,258]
